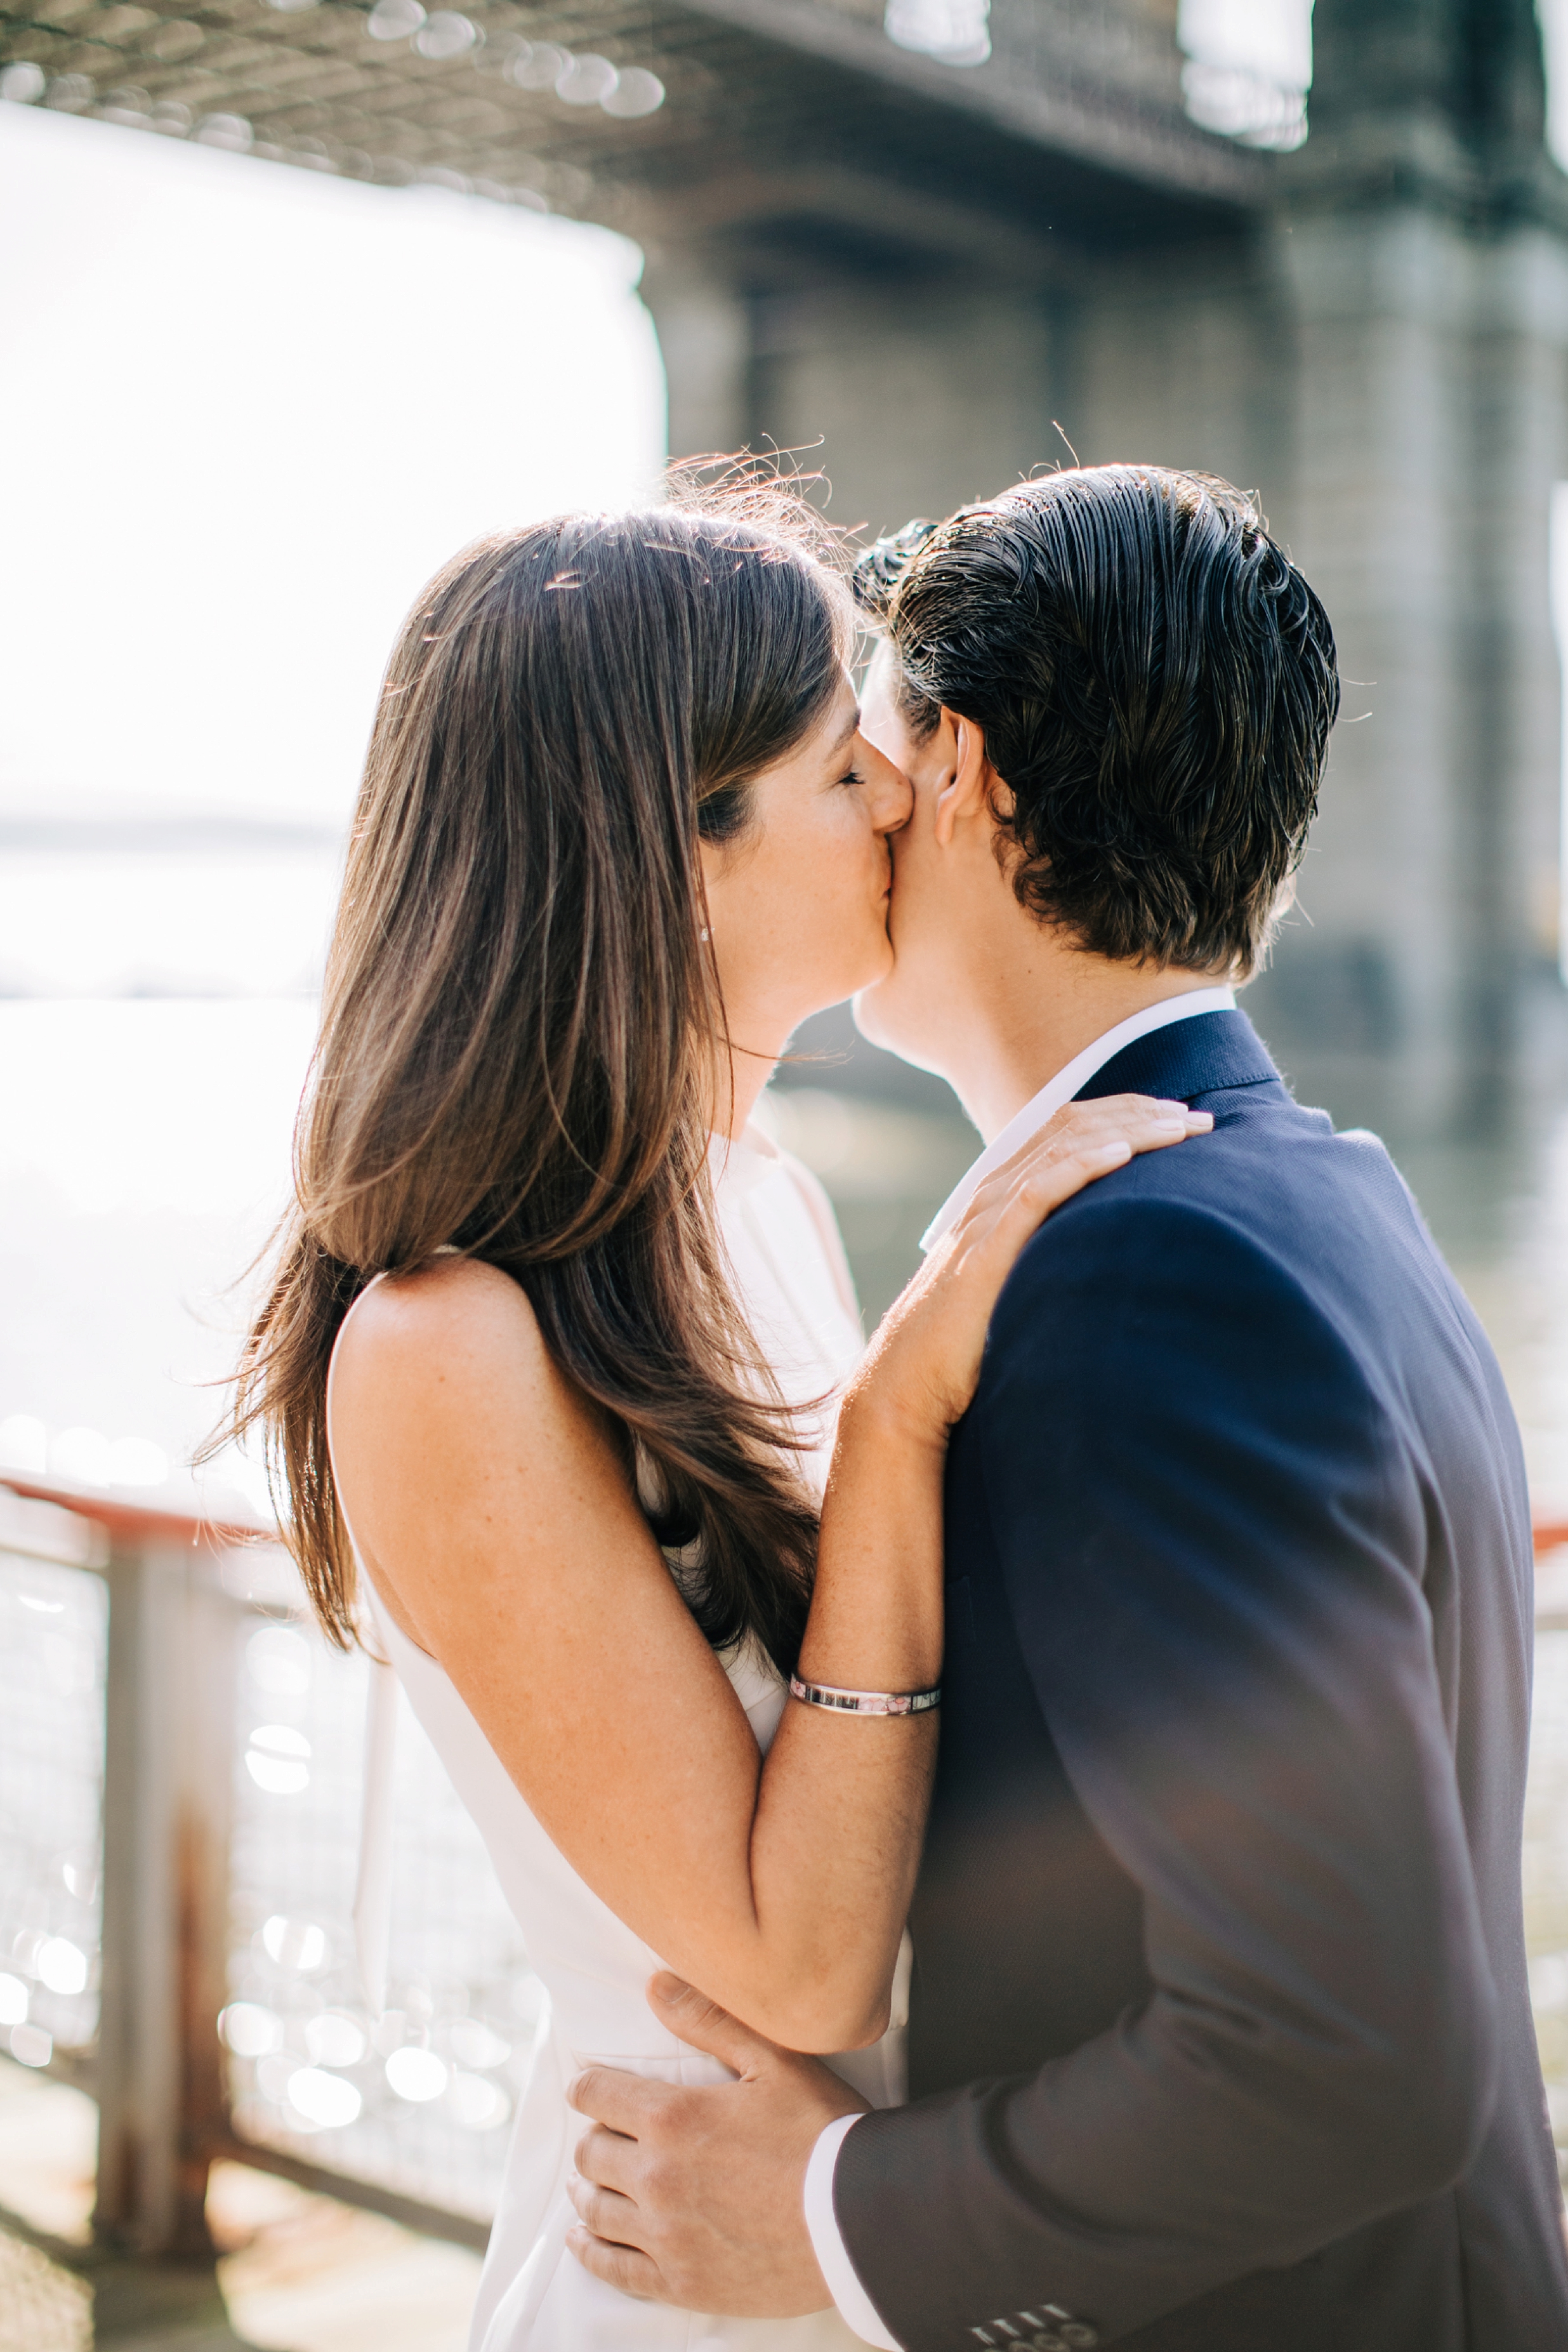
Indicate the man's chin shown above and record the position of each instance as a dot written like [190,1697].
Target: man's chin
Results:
[876,1017]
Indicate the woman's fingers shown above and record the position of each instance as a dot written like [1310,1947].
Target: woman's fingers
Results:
[1147,1122]
[1137,1115]
[1137,1122]
[1082,1143]
[1080,1167]
[927,1354]
[1035,1195]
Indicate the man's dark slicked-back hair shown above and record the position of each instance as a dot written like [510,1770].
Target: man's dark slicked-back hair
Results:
[1156,683]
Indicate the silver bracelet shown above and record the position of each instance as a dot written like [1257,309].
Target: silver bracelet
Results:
[854,1702]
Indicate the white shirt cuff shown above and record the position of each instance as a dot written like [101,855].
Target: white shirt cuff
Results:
[855,2307]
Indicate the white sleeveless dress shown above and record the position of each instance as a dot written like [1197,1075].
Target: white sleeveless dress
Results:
[789,1269]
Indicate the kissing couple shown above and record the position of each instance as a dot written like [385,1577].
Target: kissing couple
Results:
[1018,1823]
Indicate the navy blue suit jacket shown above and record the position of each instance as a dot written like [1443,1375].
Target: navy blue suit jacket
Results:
[1219,2035]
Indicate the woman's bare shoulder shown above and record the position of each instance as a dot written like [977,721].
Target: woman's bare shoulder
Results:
[456,1438]
[456,1322]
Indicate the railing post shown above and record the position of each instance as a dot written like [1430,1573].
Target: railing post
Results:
[168,1760]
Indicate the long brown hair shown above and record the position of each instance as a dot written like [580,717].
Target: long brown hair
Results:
[517,1045]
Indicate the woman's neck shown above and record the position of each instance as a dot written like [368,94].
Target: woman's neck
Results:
[739,1079]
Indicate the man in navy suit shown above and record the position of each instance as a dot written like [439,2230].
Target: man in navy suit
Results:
[1219,2036]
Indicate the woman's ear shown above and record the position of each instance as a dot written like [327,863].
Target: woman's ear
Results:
[967,777]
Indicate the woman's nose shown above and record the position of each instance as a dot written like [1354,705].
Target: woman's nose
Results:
[891,795]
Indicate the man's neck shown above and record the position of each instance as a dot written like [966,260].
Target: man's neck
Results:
[1015,1044]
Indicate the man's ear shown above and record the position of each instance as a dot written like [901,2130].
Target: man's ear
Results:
[968,778]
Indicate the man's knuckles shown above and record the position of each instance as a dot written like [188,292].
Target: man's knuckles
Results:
[591,2207]
[619,2266]
[661,2179]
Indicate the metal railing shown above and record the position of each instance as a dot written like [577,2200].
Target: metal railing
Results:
[180,1784]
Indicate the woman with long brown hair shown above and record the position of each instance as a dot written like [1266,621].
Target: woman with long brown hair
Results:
[554,1329]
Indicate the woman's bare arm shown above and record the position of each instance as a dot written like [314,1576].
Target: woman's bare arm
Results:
[496,1516]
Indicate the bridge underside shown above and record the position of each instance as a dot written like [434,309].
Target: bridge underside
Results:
[796,124]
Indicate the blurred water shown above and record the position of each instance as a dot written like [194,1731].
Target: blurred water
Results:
[204,919]
[144,1157]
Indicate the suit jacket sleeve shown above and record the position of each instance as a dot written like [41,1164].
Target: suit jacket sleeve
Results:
[1211,1536]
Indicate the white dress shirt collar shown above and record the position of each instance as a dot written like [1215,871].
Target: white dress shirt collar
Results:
[1063,1087]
